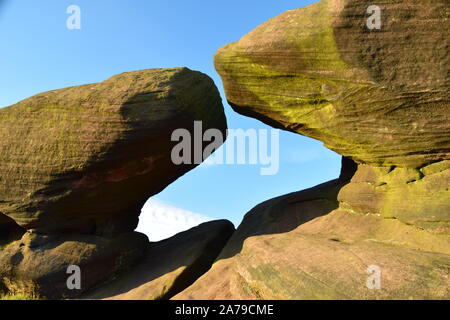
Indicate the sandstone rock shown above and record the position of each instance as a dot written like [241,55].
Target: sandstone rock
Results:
[78,164]
[418,197]
[378,96]
[37,265]
[85,159]
[303,246]
[295,265]
[169,266]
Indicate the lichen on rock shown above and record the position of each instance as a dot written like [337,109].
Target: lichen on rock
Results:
[379,98]
[77,166]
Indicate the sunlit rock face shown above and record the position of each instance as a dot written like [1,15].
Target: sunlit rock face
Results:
[78,164]
[380,98]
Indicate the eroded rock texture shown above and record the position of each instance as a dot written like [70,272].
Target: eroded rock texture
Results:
[305,245]
[170,266]
[37,265]
[87,158]
[378,97]
[78,164]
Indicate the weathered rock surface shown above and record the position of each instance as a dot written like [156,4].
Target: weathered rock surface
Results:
[85,159]
[418,197]
[37,265]
[78,164]
[319,260]
[379,97]
[304,246]
[169,266]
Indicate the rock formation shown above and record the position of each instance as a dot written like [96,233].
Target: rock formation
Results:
[378,96]
[381,99]
[305,245]
[85,159]
[78,164]
[169,266]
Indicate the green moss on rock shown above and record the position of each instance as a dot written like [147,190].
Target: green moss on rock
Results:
[311,71]
[87,158]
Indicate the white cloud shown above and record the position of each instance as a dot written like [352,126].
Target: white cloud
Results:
[160,221]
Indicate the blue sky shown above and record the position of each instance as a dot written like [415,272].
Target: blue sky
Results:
[38,53]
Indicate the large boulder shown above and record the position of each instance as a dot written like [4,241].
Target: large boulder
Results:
[329,257]
[85,159]
[305,246]
[379,97]
[78,164]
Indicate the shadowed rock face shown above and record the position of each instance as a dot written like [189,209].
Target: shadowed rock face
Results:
[85,159]
[78,164]
[418,197]
[169,266]
[9,230]
[379,97]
